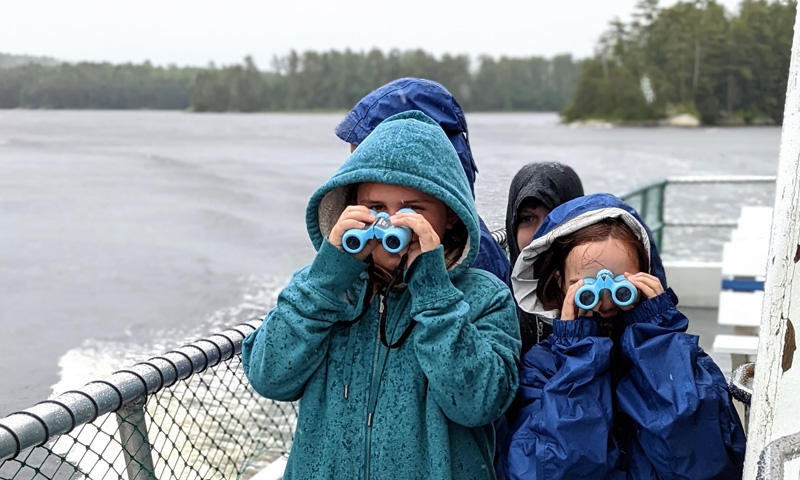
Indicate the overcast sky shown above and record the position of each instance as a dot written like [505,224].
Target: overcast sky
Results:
[196,32]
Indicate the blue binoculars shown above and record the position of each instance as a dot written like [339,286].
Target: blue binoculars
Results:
[394,238]
[622,291]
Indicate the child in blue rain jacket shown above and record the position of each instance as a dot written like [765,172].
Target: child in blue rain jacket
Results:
[401,361]
[616,392]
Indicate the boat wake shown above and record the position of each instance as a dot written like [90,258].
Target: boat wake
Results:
[200,428]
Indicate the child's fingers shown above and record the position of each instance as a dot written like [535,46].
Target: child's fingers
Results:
[570,311]
[354,216]
[649,285]
[426,236]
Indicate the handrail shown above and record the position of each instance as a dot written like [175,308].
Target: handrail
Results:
[46,420]
[741,383]
[776,455]
[654,192]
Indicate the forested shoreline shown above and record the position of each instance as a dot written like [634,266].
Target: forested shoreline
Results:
[309,81]
[693,58]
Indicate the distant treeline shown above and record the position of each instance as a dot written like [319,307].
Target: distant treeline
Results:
[309,81]
[690,58]
[10,61]
[95,86]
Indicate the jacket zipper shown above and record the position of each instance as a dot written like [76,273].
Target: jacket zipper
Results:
[372,379]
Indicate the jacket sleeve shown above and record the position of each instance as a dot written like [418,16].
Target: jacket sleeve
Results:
[468,353]
[563,429]
[687,426]
[491,257]
[284,352]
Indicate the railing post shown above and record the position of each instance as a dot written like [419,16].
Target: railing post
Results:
[135,444]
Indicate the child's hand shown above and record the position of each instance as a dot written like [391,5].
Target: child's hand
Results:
[354,216]
[648,285]
[424,238]
[570,311]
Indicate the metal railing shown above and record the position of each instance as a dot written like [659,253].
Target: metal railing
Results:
[189,413]
[650,201]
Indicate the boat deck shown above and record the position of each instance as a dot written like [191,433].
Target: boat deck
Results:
[703,322]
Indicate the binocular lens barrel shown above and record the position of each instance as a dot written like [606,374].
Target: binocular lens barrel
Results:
[353,243]
[392,242]
[623,294]
[587,298]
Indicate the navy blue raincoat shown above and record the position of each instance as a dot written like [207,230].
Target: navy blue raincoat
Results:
[670,414]
[434,100]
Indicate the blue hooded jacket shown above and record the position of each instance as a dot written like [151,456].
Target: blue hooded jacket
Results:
[421,410]
[670,414]
[432,99]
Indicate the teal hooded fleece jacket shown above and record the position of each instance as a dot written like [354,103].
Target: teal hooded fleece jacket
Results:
[422,410]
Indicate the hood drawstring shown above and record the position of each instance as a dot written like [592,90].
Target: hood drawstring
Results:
[396,276]
[383,356]
[365,302]
[366,298]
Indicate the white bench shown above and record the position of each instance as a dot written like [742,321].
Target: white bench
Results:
[744,266]
[736,344]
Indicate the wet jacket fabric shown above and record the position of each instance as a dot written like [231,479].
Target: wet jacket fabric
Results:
[551,183]
[422,410]
[434,100]
[670,414]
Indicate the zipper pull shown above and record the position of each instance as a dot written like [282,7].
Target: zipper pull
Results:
[369,420]
[539,330]
[346,389]
[380,309]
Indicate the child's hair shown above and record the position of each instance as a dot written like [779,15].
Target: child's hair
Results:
[550,266]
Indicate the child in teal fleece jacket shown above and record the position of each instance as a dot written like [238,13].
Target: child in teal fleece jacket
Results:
[401,361]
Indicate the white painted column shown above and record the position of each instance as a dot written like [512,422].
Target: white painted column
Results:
[775,409]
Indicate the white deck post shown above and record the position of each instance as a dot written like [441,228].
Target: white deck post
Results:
[775,409]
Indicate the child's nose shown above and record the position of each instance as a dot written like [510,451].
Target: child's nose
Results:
[606,303]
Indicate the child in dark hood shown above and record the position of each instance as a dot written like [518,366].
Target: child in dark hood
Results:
[401,361]
[432,99]
[619,390]
[535,190]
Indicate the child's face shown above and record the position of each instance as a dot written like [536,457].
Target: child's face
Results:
[530,217]
[383,197]
[584,261]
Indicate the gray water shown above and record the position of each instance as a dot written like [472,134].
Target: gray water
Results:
[126,233]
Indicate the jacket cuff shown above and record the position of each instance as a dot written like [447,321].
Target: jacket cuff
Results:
[429,282]
[581,327]
[335,270]
[650,310]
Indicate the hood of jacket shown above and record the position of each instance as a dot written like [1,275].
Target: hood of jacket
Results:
[405,94]
[551,183]
[408,149]
[565,219]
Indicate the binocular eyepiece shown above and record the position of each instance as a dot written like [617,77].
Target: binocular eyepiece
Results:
[394,239]
[622,291]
